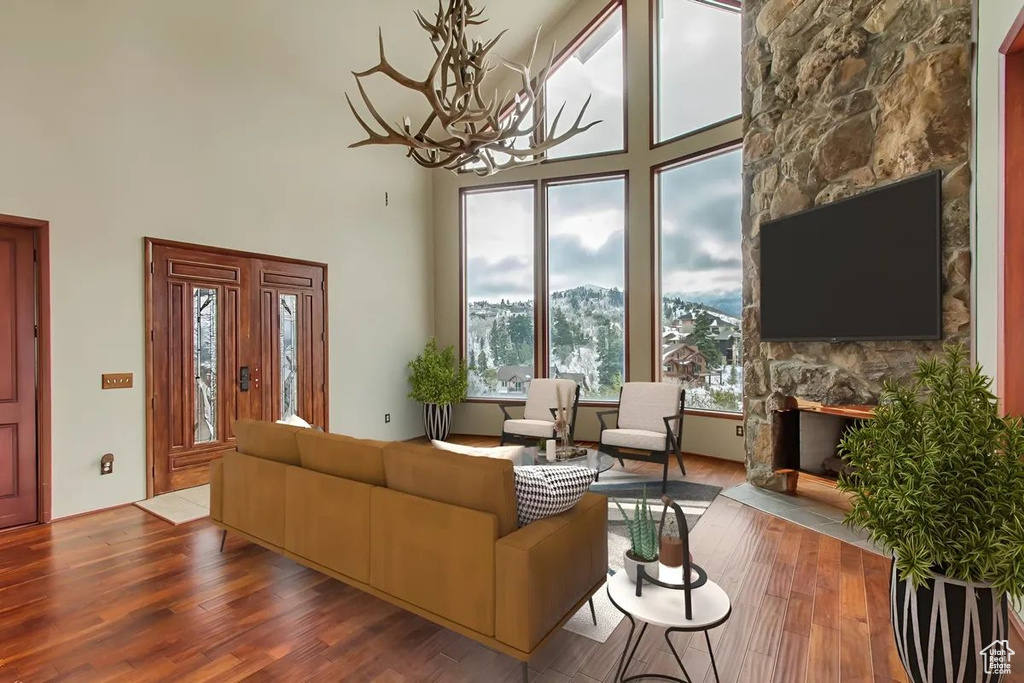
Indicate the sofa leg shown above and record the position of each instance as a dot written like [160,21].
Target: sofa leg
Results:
[593,614]
[223,539]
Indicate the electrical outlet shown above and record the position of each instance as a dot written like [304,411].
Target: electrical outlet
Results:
[387,418]
[107,464]
[739,430]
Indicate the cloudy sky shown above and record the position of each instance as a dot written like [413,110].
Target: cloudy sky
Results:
[700,231]
[700,202]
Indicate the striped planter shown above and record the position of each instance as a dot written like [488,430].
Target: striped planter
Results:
[942,627]
[437,421]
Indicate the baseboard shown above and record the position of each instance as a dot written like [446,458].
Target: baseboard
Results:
[91,512]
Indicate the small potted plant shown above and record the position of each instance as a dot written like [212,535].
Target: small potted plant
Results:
[643,539]
[439,381]
[938,480]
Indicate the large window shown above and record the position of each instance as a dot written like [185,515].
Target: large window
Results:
[697,65]
[586,223]
[595,71]
[499,244]
[699,208]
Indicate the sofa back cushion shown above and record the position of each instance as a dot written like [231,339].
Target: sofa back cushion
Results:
[645,405]
[268,441]
[434,556]
[253,496]
[543,396]
[342,456]
[483,484]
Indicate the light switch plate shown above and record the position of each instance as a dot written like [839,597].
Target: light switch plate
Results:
[118,380]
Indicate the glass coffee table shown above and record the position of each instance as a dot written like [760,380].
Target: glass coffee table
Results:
[594,459]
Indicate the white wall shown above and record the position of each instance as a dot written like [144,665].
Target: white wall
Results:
[994,19]
[221,123]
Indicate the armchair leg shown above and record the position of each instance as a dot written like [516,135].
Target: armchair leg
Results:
[622,462]
[593,614]
[664,477]
[502,438]
[682,467]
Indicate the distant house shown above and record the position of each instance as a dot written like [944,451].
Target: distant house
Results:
[684,363]
[514,379]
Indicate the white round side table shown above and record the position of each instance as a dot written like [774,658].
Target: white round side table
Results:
[666,607]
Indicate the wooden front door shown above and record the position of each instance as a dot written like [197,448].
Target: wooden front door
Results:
[232,336]
[18,462]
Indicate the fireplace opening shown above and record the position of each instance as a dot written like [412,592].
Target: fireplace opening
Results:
[810,434]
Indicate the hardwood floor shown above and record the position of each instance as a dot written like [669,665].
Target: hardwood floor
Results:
[123,596]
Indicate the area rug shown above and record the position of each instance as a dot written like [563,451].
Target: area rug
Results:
[693,498]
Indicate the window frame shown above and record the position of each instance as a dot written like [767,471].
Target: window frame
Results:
[656,298]
[464,192]
[653,73]
[561,58]
[541,318]
[545,184]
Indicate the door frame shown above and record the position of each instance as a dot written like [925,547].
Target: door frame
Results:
[44,415]
[1010,273]
[147,266]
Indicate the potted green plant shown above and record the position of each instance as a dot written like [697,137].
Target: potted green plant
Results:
[937,478]
[439,380]
[643,539]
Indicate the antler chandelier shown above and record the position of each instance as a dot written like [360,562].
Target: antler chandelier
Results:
[465,129]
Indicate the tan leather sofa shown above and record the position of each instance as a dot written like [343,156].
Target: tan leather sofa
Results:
[433,532]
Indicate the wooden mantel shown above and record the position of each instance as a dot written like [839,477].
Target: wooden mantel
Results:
[852,412]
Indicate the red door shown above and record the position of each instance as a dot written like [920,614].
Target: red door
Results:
[18,487]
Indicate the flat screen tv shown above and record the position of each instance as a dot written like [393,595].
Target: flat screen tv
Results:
[862,268]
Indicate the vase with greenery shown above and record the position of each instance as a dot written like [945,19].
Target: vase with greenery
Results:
[938,480]
[643,539]
[439,381]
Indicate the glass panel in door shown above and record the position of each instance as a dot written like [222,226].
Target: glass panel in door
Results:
[289,333]
[204,363]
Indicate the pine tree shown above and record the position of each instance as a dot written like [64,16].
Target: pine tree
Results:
[704,340]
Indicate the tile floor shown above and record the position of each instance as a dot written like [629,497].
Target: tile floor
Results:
[803,510]
[179,507]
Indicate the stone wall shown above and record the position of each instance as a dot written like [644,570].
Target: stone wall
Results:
[841,96]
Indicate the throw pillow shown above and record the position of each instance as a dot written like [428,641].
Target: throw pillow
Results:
[517,454]
[549,491]
[295,421]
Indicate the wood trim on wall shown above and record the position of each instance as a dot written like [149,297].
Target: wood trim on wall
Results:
[656,296]
[1011,224]
[44,364]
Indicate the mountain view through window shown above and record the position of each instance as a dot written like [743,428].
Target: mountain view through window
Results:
[701,280]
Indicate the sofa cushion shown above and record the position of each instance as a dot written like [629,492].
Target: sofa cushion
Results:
[516,454]
[342,456]
[548,491]
[268,441]
[484,484]
[645,405]
[635,438]
[537,428]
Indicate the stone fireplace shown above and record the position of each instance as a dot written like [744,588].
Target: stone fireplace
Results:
[841,96]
